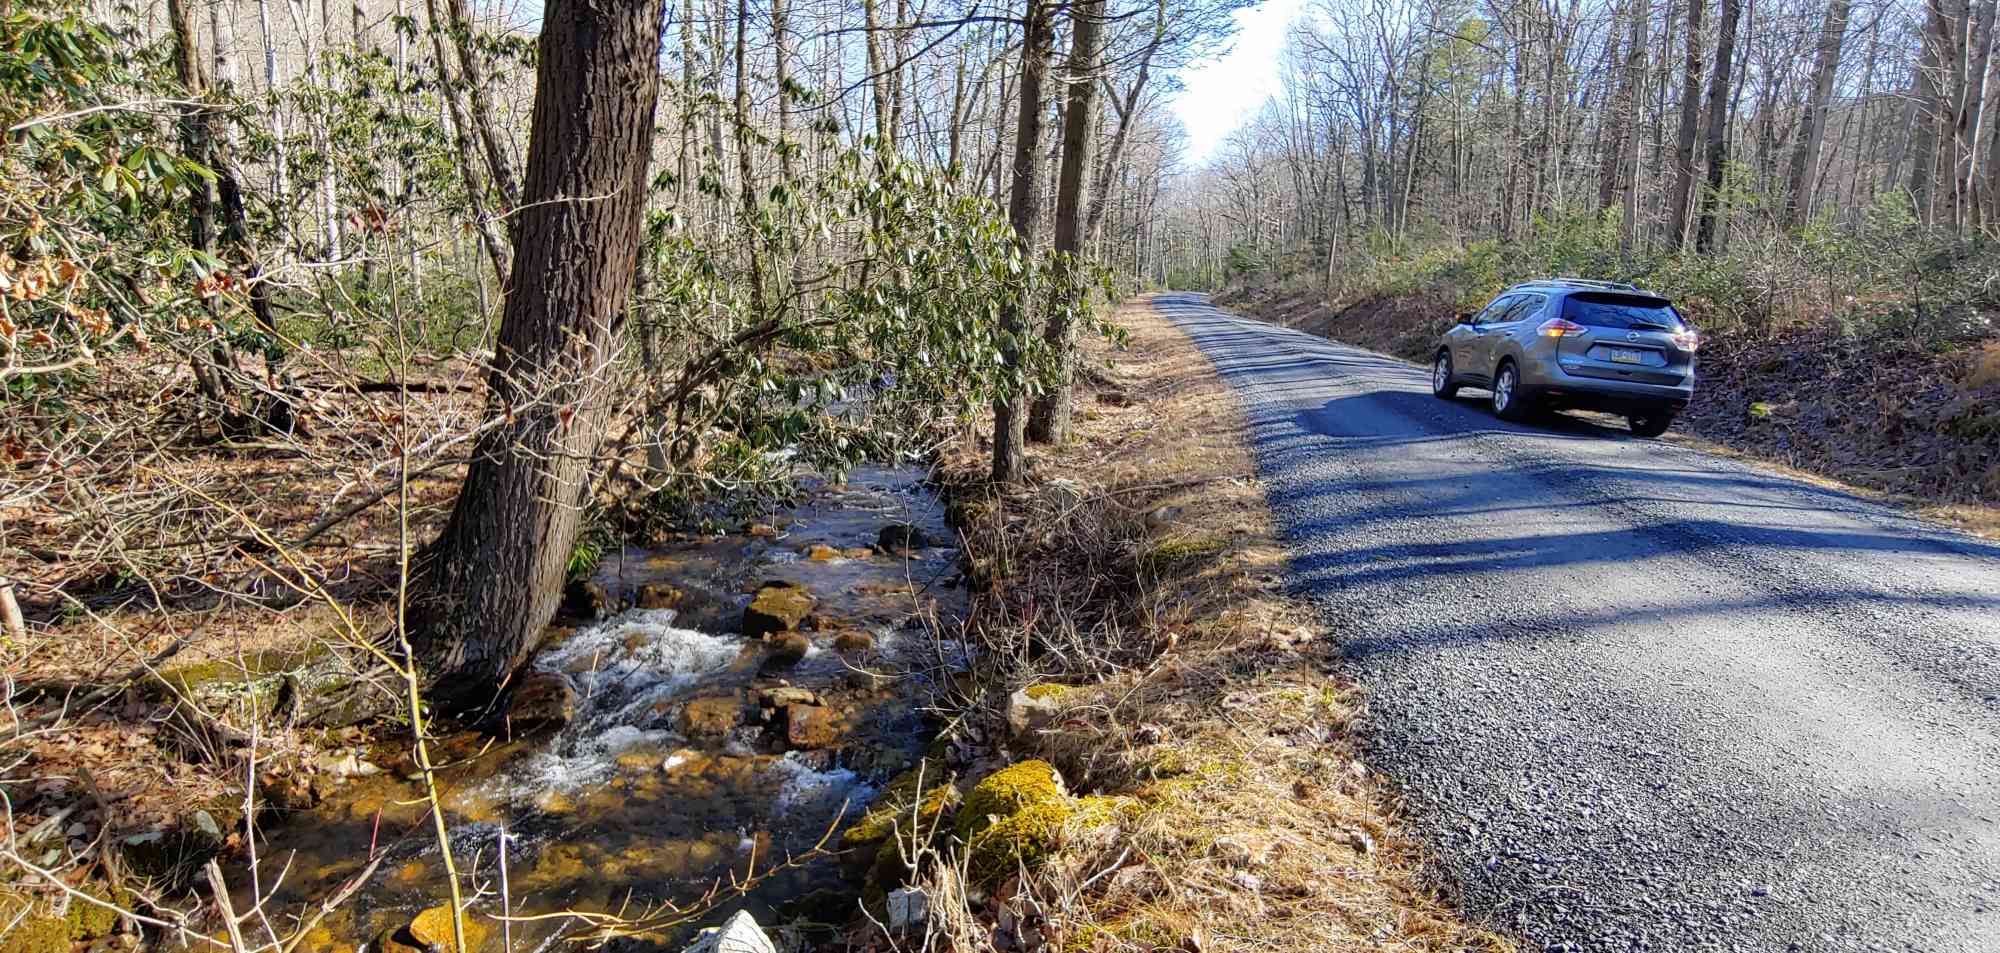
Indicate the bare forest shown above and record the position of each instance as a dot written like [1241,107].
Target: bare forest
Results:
[495,476]
[1813,183]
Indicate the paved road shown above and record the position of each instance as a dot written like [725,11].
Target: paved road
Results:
[1640,697]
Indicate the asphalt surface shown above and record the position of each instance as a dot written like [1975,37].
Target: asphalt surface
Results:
[1639,697]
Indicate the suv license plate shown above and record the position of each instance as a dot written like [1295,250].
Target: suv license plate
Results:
[1621,355]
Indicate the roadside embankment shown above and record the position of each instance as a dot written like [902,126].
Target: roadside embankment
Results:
[1165,736]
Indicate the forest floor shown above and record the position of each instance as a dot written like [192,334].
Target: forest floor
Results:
[1200,694]
[1139,561]
[1896,418]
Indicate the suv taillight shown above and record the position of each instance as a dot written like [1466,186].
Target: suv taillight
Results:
[1557,327]
[1687,340]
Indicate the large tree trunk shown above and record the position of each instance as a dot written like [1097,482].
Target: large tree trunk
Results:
[1812,122]
[1718,123]
[1049,421]
[492,579]
[1024,212]
[1683,187]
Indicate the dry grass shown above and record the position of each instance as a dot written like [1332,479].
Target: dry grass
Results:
[1141,569]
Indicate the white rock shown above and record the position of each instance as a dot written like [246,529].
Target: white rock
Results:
[908,907]
[1026,713]
[738,934]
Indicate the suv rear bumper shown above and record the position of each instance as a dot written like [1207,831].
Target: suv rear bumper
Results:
[1552,387]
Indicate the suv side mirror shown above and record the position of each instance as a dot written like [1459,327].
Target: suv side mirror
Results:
[1463,317]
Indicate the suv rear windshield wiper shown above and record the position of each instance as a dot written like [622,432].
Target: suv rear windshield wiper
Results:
[1642,324]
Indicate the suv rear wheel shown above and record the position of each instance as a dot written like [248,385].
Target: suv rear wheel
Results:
[1650,423]
[1509,403]
[1442,386]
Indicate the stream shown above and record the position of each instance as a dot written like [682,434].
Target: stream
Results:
[692,754]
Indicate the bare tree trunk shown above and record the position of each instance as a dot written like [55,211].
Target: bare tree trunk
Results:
[1024,212]
[1718,124]
[878,80]
[477,90]
[1812,122]
[1933,104]
[781,55]
[1970,115]
[1049,421]
[1635,67]
[493,577]
[1683,187]
[498,249]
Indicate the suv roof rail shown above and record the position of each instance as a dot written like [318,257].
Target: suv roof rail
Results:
[1584,282]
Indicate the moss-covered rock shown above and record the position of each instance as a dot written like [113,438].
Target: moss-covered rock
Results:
[1021,840]
[1173,554]
[778,607]
[1013,819]
[1008,790]
[37,934]
[893,860]
[88,921]
[923,782]
[257,673]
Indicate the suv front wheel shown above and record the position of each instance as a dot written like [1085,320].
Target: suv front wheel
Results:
[1442,386]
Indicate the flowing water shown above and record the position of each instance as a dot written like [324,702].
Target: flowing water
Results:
[627,806]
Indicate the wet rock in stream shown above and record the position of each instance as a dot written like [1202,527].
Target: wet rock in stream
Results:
[542,700]
[778,606]
[811,726]
[786,649]
[713,716]
[902,538]
[659,595]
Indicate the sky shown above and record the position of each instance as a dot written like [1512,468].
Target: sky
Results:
[1221,93]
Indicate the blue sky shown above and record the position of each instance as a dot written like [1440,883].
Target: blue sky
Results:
[1222,92]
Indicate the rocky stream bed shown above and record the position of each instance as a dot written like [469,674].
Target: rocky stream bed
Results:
[741,698]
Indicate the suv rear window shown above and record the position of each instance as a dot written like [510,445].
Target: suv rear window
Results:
[1609,310]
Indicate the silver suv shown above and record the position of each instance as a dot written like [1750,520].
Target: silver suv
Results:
[1571,343]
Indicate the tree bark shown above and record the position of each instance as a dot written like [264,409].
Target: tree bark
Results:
[1718,124]
[1049,420]
[1024,212]
[492,579]
[1683,187]
[1812,122]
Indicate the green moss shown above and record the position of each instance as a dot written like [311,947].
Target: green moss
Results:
[37,934]
[1007,791]
[1013,818]
[1174,553]
[1099,810]
[925,781]
[1046,690]
[965,514]
[891,863]
[1020,840]
[88,921]
[218,674]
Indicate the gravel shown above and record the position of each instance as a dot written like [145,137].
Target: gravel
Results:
[1639,697]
